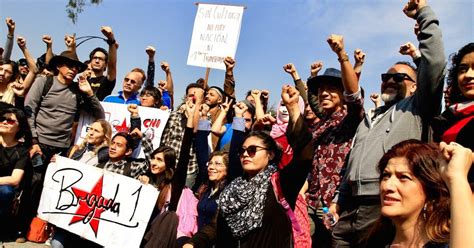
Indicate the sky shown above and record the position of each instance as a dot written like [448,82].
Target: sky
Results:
[273,33]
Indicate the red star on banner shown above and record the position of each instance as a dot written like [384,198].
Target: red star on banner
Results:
[89,213]
[123,127]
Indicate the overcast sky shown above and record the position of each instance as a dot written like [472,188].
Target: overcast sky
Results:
[273,33]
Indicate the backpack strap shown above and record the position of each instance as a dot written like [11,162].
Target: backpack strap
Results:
[275,179]
[47,86]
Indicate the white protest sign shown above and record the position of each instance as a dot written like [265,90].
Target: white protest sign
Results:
[215,35]
[107,208]
[153,122]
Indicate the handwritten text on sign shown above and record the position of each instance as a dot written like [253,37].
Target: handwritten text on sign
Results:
[107,208]
[215,35]
[153,123]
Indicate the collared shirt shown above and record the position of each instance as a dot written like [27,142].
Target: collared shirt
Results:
[133,99]
[172,136]
[138,167]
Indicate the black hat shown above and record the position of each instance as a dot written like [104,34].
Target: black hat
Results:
[330,76]
[67,57]
[22,61]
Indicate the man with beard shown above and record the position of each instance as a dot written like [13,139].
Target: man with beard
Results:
[101,60]
[412,98]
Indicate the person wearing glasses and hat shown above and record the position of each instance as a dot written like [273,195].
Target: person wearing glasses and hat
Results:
[52,104]
[412,98]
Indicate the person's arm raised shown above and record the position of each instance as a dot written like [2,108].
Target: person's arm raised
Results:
[49,48]
[113,46]
[349,78]
[229,81]
[150,73]
[454,174]
[218,127]
[10,36]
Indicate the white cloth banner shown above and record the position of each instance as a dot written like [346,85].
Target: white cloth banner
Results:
[107,208]
[215,35]
[153,123]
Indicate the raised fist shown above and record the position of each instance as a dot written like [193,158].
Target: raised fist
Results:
[336,42]
[11,25]
[150,51]
[412,7]
[408,49]
[107,32]
[21,42]
[70,41]
[316,67]
[289,95]
[359,56]
[47,39]
[229,63]
[133,109]
[289,68]
[165,66]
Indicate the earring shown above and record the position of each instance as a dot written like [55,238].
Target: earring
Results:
[424,211]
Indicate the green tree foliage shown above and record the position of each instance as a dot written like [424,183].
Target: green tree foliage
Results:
[75,7]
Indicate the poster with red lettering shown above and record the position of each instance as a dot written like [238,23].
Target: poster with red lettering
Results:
[106,208]
[153,122]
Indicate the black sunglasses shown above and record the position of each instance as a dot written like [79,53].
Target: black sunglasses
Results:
[8,120]
[397,77]
[251,150]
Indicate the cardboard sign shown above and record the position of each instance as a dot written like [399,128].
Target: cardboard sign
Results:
[107,208]
[153,123]
[215,35]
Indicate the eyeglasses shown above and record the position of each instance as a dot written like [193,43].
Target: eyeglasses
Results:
[8,120]
[397,77]
[251,150]
[216,164]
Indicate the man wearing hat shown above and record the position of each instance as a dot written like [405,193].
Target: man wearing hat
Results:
[339,98]
[52,104]
[414,98]
[23,68]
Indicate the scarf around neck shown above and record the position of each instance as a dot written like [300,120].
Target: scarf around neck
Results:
[242,202]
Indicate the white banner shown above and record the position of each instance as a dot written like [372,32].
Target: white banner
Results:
[107,208]
[153,123]
[215,35]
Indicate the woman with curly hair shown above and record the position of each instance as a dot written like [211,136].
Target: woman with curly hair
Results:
[456,123]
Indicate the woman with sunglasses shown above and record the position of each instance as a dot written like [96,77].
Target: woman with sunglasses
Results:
[425,197]
[249,212]
[15,169]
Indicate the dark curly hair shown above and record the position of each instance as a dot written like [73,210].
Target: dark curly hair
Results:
[452,79]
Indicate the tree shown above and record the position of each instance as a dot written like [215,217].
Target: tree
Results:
[75,7]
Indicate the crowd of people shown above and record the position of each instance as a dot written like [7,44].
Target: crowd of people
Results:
[322,172]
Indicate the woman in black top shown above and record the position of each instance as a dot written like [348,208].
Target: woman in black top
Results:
[15,165]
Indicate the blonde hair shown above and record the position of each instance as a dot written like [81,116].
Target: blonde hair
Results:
[107,138]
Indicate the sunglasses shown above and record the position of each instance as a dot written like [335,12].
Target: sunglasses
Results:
[397,77]
[8,120]
[251,150]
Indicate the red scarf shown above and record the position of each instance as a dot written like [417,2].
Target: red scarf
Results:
[465,113]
